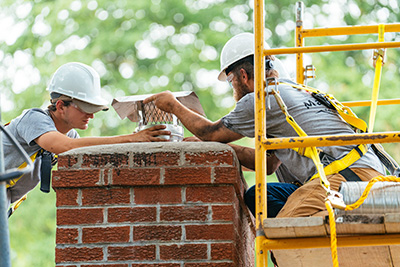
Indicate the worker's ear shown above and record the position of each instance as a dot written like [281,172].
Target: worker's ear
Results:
[60,106]
[243,75]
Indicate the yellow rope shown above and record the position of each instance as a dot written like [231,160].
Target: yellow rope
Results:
[332,225]
[380,178]
[332,222]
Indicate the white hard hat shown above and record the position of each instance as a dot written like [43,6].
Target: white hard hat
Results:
[239,47]
[79,82]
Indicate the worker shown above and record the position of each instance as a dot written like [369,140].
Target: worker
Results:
[75,94]
[237,68]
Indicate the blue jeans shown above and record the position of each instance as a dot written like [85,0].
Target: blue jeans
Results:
[277,194]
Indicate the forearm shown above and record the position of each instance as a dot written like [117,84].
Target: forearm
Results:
[247,158]
[58,143]
[72,143]
[245,155]
[200,126]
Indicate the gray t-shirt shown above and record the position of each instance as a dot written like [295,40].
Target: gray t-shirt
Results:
[312,116]
[30,125]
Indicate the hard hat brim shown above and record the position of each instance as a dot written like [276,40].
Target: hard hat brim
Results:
[222,76]
[89,108]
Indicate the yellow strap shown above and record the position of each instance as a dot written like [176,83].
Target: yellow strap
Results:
[377,80]
[345,112]
[339,165]
[12,182]
[311,152]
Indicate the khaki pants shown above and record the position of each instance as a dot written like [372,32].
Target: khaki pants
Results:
[309,199]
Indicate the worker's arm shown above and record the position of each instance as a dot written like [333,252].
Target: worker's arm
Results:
[203,128]
[57,142]
[247,158]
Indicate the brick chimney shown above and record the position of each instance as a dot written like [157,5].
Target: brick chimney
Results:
[152,204]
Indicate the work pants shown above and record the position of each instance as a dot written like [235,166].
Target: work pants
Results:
[309,199]
[277,194]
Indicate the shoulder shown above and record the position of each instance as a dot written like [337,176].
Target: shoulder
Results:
[246,100]
[35,112]
[35,118]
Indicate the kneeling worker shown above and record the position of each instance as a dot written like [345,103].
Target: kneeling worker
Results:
[237,67]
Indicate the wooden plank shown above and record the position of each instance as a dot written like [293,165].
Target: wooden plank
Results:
[359,224]
[395,254]
[377,256]
[392,223]
[294,227]
[316,257]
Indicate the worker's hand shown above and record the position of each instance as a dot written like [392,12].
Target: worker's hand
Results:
[164,101]
[151,134]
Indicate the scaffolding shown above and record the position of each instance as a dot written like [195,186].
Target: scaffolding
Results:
[263,244]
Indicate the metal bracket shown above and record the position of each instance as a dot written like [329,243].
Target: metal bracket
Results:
[268,82]
[309,72]
[336,200]
[381,52]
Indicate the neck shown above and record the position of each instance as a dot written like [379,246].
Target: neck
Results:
[60,124]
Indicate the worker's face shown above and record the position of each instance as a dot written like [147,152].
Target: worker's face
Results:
[240,89]
[77,118]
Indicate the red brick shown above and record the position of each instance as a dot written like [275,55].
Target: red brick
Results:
[66,197]
[78,254]
[131,253]
[223,213]
[157,232]
[132,214]
[105,265]
[211,264]
[194,175]
[154,195]
[156,265]
[210,232]
[67,236]
[66,265]
[155,159]
[214,158]
[104,196]
[223,251]
[105,234]
[185,213]
[133,177]
[76,178]
[79,216]
[105,160]
[67,162]
[226,175]
[183,252]
[210,194]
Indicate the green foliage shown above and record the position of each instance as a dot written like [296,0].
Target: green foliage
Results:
[32,231]
[142,47]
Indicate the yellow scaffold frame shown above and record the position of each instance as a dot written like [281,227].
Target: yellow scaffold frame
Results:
[262,143]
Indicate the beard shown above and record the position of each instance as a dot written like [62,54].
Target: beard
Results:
[240,90]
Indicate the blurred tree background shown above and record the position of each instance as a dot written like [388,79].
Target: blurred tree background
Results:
[141,47]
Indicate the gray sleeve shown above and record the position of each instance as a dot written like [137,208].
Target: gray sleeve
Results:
[33,124]
[241,119]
